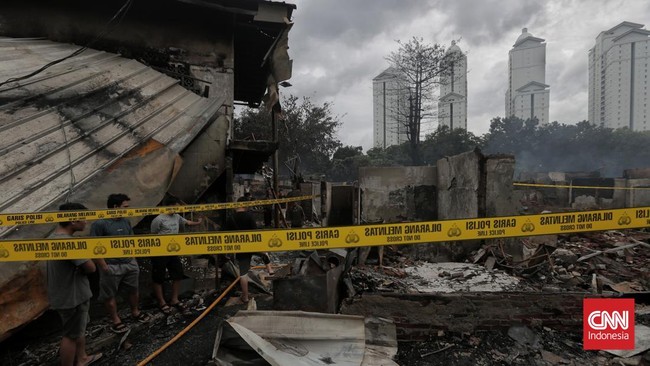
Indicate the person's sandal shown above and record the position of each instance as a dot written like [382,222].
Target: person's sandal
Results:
[119,328]
[93,358]
[182,308]
[166,309]
[141,318]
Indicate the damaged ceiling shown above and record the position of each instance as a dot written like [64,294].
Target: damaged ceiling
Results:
[247,38]
[80,130]
[63,126]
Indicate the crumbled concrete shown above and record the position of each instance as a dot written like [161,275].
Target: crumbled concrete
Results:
[452,277]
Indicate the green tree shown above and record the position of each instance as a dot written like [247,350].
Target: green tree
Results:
[446,142]
[509,135]
[305,130]
[346,163]
[347,152]
[395,155]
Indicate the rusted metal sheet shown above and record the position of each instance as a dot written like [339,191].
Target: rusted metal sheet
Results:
[302,338]
[61,128]
[22,295]
[92,125]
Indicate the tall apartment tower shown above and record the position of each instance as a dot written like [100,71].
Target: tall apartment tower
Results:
[452,104]
[527,95]
[389,111]
[618,78]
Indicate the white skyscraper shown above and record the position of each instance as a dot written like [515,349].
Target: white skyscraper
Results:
[389,110]
[618,78]
[452,104]
[527,95]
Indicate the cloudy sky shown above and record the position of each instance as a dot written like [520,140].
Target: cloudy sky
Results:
[338,46]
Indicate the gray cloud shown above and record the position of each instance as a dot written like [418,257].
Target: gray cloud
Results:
[352,21]
[481,22]
[339,46]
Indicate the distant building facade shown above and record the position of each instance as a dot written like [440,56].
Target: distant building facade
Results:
[527,95]
[389,111]
[618,78]
[452,104]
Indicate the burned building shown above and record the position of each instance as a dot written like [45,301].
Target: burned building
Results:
[100,97]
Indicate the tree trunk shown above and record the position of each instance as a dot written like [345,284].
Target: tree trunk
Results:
[414,153]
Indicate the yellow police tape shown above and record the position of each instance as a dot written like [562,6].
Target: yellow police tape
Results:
[324,238]
[576,187]
[12,219]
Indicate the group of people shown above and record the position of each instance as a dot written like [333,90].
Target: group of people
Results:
[68,286]
[69,289]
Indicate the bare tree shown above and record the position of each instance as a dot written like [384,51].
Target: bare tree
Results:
[420,67]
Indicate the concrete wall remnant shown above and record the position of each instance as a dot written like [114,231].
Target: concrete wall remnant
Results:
[460,187]
[473,185]
[567,195]
[638,197]
[638,173]
[459,179]
[499,198]
[394,194]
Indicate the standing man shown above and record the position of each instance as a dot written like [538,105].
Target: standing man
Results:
[168,224]
[68,291]
[118,272]
[242,220]
[296,214]
[268,210]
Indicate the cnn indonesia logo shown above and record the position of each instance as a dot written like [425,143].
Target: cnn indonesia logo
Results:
[608,324]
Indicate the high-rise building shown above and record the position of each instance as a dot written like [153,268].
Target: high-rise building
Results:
[452,104]
[389,109]
[527,95]
[618,78]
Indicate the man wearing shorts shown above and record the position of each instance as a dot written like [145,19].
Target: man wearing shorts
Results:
[68,292]
[116,273]
[242,220]
[168,224]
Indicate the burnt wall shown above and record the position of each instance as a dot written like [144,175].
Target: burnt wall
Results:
[418,316]
[394,194]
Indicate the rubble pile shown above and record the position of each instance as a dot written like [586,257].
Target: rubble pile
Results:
[454,277]
[611,262]
[518,345]
[379,279]
[406,276]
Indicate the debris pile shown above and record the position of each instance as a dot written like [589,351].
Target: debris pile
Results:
[454,277]
[518,345]
[611,262]
[406,276]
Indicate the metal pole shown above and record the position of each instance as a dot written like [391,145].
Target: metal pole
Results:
[276,215]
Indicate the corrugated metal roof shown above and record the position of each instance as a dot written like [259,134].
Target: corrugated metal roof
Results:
[86,112]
